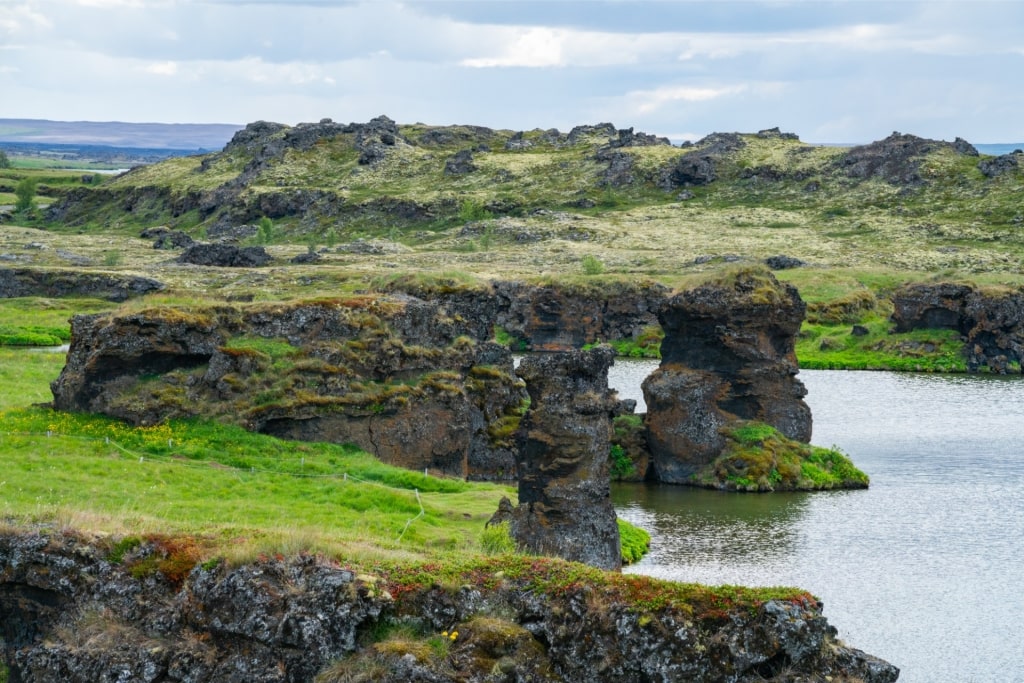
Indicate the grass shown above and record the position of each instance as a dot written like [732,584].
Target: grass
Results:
[241,493]
[759,458]
[835,347]
[38,321]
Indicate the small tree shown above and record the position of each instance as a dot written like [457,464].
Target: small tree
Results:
[5,162]
[266,231]
[24,192]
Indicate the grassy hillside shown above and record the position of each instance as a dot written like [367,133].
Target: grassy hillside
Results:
[380,201]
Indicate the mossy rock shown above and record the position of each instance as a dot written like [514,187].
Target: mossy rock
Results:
[757,458]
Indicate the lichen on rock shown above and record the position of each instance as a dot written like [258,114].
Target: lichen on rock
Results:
[728,356]
[565,505]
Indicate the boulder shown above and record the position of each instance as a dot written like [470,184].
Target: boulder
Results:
[19,282]
[727,356]
[565,506]
[1001,165]
[225,256]
[460,163]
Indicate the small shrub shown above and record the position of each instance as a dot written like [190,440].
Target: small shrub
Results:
[471,210]
[592,265]
[113,258]
[621,465]
[265,232]
[497,540]
[24,193]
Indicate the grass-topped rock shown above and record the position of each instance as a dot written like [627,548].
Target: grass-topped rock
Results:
[758,458]
[727,356]
[398,376]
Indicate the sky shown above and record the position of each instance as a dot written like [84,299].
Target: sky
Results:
[848,71]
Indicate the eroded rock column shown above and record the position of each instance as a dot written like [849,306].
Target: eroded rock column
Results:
[565,504]
[728,355]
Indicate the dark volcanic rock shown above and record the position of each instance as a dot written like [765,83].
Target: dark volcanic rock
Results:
[776,134]
[930,306]
[699,166]
[783,262]
[1001,165]
[18,282]
[555,318]
[70,614]
[896,159]
[620,167]
[565,504]
[991,322]
[460,164]
[225,255]
[173,239]
[728,355]
[400,377]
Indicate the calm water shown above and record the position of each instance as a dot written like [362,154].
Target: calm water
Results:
[924,569]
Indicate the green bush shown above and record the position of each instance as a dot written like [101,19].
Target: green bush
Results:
[497,540]
[592,265]
[265,234]
[621,465]
[471,210]
[24,193]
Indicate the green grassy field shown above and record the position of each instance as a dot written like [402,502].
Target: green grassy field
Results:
[244,492]
[241,493]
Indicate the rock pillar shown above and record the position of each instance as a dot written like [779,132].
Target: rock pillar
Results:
[565,504]
[728,355]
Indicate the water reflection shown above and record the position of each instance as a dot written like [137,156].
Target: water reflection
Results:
[924,568]
[693,526]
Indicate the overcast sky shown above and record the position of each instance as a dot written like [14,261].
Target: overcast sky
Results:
[851,71]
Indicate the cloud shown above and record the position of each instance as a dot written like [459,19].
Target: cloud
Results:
[647,101]
[852,68]
[22,18]
[162,68]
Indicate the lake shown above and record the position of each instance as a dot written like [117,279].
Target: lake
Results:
[924,569]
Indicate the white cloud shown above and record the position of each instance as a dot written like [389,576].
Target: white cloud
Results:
[162,68]
[21,18]
[647,101]
[534,47]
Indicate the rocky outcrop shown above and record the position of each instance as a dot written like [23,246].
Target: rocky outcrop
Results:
[18,282]
[225,256]
[400,377]
[560,317]
[1001,165]
[565,506]
[460,163]
[553,317]
[728,356]
[897,159]
[79,611]
[990,321]
[699,167]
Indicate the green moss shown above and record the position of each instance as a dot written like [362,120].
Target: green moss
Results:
[836,347]
[635,542]
[759,458]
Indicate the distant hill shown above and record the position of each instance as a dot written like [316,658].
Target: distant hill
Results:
[177,136]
